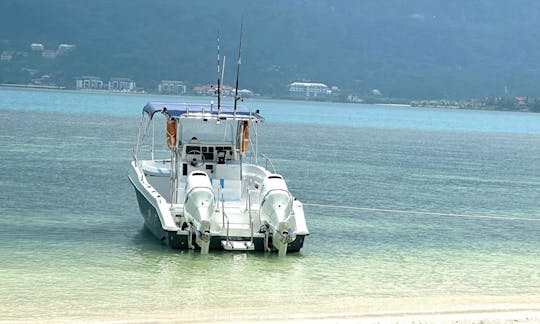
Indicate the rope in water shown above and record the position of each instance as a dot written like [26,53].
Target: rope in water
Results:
[415,212]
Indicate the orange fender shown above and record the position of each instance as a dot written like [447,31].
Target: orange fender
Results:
[171,133]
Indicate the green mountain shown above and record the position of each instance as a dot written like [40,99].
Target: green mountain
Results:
[404,48]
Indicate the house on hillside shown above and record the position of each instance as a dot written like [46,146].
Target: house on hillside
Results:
[48,54]
[172,87]
[211,90]
[44,80]
[64,49]
[206,89]
[521,100]
[245,93]
[37,47]
[227,90]
[308,89]
[6,56]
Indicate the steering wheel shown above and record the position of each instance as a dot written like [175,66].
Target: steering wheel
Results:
[198,158]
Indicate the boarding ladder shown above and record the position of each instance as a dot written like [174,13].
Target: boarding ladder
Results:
[236,245]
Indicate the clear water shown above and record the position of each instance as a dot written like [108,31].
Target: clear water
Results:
[73,246]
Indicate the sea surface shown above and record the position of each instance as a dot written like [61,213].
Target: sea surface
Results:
[73,244]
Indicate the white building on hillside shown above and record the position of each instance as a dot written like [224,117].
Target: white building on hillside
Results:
[172,87]
[89,82]
[121,84]
[6,56]
[308,89]
[64,49]
[37,47]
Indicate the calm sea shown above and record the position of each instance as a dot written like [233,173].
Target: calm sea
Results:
[73,246]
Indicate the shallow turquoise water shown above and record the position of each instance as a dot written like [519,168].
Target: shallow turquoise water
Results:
[72,243]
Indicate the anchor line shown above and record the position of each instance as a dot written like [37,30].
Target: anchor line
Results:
[415,212]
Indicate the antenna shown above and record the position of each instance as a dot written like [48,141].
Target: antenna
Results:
[218,80]
[238,66]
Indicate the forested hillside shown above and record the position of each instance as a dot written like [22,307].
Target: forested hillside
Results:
[407,49]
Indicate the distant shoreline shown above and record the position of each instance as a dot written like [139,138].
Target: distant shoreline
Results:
[393,105]
[31,86]
[387,104]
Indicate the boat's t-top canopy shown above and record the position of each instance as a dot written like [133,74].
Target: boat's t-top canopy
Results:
[197,110]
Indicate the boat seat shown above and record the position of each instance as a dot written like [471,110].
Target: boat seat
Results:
[156,168]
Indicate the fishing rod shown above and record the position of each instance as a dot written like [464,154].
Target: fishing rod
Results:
[238,65]
[218,80]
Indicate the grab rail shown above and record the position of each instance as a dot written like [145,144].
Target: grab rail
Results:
[137,164]
[216,197]
[267,160]
[227,218]
[250,216]
[224,216]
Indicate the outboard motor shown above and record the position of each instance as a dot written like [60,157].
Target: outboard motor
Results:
[276,206]
[199,206]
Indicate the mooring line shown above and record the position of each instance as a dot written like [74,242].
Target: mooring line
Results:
[383,210]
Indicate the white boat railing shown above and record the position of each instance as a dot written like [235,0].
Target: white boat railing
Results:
[226,218]
[139,167]
[267,161]
[248,199]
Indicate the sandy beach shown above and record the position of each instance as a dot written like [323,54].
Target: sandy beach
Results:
[485,317]
[490,315]
[527,316]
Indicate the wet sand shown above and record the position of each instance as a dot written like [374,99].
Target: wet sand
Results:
[474,316]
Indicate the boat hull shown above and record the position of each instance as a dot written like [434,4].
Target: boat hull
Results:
[152,222]
[182,239]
